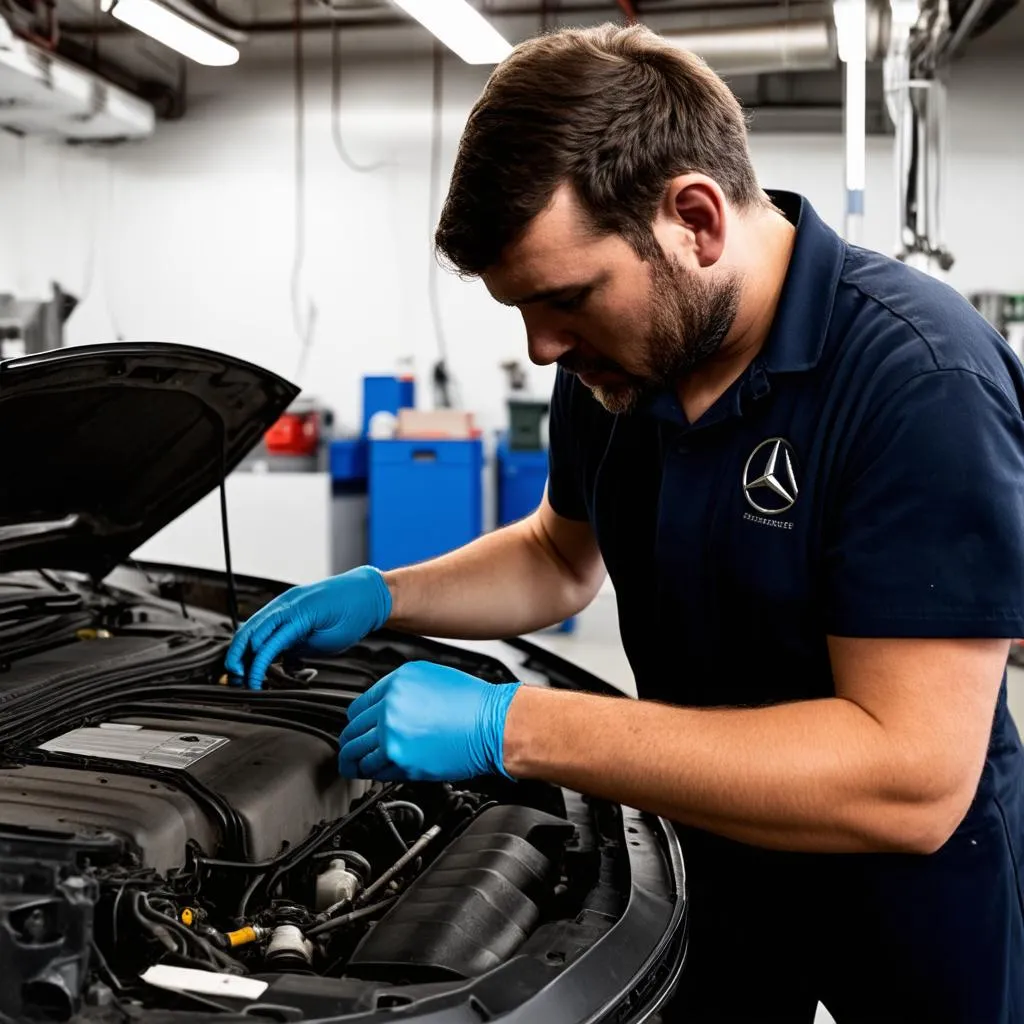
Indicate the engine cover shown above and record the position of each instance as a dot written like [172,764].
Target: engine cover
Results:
[279,782]
[473,907]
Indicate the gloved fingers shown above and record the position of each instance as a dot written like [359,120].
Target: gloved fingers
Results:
[249,637]
[356,748]
[283,638]
[373,695]
[234,660]
[389,773]
[267,626]
[374,762]
[360,725]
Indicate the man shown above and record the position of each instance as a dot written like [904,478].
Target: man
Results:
[802,465]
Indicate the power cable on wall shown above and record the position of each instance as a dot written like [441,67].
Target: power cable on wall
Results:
[304,322]
[444,388]
[88,276]
[339,142]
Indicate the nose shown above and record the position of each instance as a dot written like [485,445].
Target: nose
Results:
[547,344]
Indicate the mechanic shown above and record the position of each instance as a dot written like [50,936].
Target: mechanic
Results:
[802,464]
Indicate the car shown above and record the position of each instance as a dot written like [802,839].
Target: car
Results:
[176,848]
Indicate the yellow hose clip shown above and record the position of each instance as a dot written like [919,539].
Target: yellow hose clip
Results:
[187,917]
[93,634]
[242,937]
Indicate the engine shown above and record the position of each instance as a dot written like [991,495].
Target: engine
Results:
[169,842]
[414,885]
[271,786]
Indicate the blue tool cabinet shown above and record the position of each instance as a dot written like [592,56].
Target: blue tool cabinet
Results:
[522,475]
[426,498]
[348,463]
[521,479]
[386,394]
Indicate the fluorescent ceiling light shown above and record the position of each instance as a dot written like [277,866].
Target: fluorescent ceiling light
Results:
[461,27]
[171,29]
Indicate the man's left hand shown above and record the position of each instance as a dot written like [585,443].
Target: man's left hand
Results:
[426,722]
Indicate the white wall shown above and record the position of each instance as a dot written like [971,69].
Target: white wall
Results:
[189,237]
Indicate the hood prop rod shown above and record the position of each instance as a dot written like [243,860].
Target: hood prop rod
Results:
[225,533]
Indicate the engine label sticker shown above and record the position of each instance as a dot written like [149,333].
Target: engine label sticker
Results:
[134,743]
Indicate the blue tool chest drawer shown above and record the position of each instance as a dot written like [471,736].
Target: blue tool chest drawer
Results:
[521,479]
[522,474]
[426,498]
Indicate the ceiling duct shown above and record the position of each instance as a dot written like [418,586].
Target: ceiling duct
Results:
[42,94]
[760,49]
[800,45]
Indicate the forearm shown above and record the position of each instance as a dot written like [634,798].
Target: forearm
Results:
[509,582]
[816,775]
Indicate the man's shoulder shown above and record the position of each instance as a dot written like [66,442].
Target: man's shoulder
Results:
[892,323]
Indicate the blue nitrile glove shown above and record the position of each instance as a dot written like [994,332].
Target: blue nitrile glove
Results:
[428,723]
[325,617]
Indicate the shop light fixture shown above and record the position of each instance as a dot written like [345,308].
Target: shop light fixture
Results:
[171,29]
[461,27]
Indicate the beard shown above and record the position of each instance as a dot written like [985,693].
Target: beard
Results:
[690,318]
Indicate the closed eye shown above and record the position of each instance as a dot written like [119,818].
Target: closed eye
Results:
[572,303]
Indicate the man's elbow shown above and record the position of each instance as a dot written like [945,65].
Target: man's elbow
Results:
[928,829]
[924,823]
[575,557]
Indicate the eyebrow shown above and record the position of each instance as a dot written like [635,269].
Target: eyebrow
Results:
[562,292]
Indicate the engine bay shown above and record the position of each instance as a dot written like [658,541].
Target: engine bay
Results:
[172,843]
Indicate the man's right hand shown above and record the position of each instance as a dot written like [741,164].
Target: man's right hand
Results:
[327,617]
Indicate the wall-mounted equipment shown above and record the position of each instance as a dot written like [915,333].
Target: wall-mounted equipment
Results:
[1005,312]
[925,36]
[28,326]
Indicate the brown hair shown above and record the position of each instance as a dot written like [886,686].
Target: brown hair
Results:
[616,113]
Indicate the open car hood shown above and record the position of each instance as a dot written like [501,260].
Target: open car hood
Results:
[104,445]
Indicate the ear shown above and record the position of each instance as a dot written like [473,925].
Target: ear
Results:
[692,219]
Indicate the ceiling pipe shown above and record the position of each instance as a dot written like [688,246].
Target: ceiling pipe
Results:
[963,31]
[761,49]
[779,46]
[851,29]
[391,18]
[807,44]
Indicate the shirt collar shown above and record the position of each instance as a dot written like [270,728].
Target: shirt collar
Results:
[798,331]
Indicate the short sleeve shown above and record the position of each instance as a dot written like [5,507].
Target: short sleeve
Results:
[566,491]
[926,532]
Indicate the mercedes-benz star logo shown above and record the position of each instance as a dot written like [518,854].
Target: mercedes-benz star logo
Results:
[769,477]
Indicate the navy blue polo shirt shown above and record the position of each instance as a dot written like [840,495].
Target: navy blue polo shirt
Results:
[864,477]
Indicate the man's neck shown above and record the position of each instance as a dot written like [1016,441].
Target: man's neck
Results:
[761,257]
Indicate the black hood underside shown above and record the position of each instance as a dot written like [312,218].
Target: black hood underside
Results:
[105,445]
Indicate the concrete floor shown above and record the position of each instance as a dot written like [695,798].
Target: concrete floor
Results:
[595,646]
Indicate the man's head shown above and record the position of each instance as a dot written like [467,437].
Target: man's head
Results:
[592,189]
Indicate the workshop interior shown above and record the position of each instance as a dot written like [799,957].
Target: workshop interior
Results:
[232,363]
